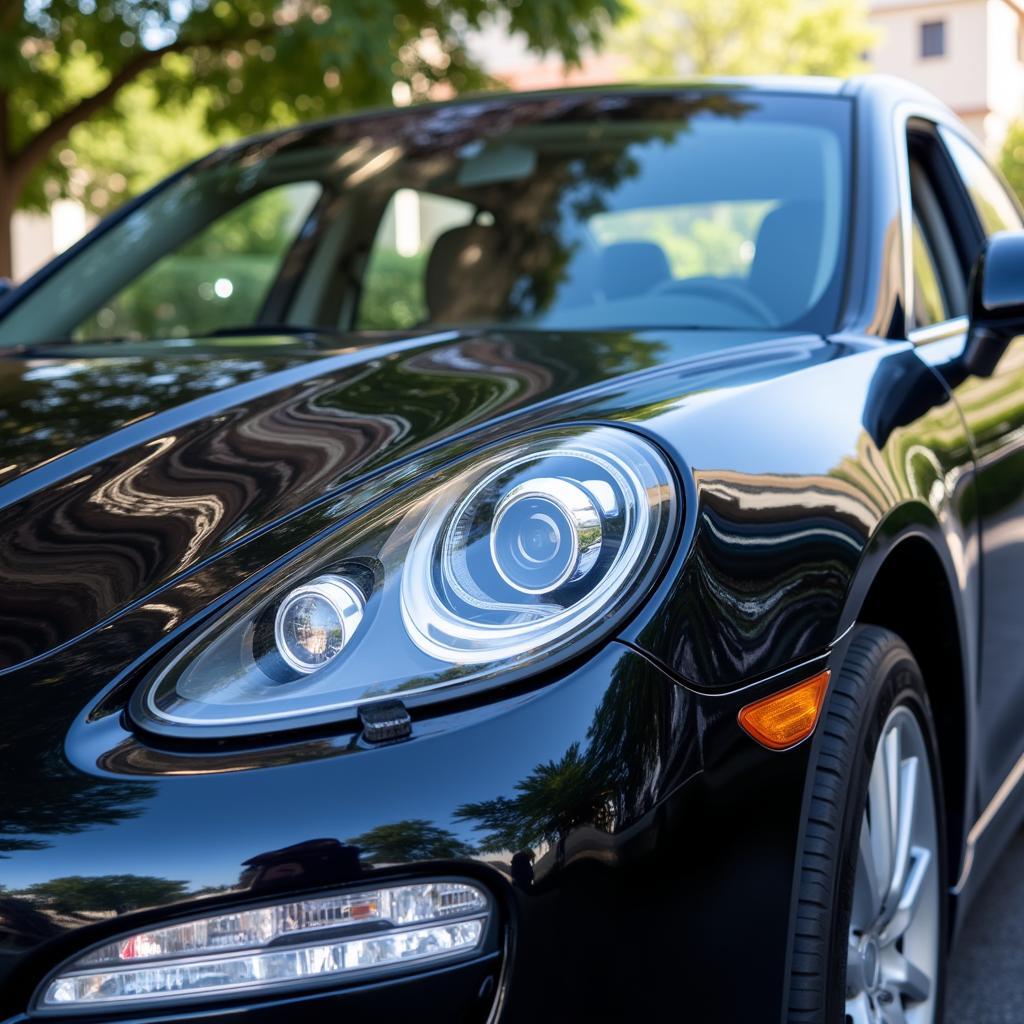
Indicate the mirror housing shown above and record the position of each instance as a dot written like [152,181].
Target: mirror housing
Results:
[996,301]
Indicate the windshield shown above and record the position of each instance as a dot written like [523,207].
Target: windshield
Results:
[718,209]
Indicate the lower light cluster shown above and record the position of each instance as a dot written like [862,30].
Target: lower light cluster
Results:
[259,949]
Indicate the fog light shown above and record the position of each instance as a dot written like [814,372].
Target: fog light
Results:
[309,940]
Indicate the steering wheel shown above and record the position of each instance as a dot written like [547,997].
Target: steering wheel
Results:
[722,289]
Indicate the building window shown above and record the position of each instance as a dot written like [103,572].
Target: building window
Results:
[933,39]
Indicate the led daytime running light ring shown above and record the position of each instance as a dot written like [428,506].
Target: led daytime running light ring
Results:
[443,634]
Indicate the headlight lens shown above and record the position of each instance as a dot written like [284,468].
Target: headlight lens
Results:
[314,622]
[522,553]
[545,533]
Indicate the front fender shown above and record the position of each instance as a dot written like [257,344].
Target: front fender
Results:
[803,483]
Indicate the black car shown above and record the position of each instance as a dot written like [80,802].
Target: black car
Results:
[534,558]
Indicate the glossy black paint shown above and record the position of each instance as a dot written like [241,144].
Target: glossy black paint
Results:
[996,302]
[998,292]
[639,845]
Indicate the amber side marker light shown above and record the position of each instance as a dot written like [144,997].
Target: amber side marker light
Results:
[787,717]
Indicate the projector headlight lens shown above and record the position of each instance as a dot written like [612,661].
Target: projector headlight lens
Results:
[284,944]
[520,554]
[316,620]
[545,533]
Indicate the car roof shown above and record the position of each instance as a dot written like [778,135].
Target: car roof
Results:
[888,88]
[883,91]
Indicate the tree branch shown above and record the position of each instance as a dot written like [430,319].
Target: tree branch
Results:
[43,141]
[34,151]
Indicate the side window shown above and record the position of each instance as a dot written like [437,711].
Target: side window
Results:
[930,306]
[938,251]
[394,282]
[995,209]
[939,285]
[218,278]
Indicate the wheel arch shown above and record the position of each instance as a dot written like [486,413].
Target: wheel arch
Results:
[908,585]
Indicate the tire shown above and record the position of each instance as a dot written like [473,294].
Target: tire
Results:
[878,691]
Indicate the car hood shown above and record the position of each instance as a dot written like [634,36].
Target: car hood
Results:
[124,467]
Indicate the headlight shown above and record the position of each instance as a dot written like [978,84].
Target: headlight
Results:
[521,554]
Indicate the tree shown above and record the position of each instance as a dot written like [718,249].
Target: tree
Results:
[412,839]
[75,894]
[1011,159]
[605,783]
[668,38]
[249,63]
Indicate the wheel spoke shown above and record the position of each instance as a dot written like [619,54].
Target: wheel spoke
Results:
[905,978]
[880,816]
[892,758]
[906,800]
[867,903]
[920,860]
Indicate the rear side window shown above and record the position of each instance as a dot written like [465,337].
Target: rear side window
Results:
[393,295]
[939,282]
[216,279]
[930,305]
[996,210]
[716,239]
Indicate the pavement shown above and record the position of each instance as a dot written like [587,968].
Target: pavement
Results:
[986,969]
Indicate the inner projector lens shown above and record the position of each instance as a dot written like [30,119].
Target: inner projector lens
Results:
[252,950]
[546,533]
[316,621]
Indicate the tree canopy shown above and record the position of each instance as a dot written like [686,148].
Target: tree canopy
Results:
[232,67]
[104,893]
[1011,159]
[744,37]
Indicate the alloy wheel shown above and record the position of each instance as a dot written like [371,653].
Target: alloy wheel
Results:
[893,955]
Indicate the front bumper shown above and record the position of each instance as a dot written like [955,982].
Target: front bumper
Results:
[639,847]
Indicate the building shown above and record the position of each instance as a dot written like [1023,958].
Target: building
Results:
[506,57]
[970,53]
[38,237]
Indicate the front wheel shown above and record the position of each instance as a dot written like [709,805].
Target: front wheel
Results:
[869,942]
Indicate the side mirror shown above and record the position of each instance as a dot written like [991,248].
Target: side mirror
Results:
[996,301]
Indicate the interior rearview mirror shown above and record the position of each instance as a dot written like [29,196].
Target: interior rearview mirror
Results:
[996,301]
